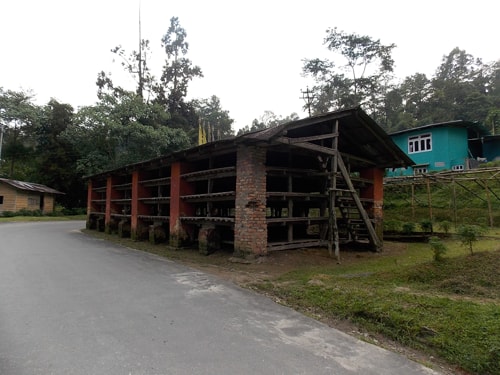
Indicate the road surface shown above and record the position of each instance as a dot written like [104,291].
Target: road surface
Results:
[73,304]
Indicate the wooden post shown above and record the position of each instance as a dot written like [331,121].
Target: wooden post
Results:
[488,199]
[412,200]
[333,236]
[454,202]
[429,198]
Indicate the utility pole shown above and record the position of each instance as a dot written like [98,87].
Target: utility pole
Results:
[308,97]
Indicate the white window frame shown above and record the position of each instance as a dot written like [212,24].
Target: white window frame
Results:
[420,170]
[458,168]
[420,143]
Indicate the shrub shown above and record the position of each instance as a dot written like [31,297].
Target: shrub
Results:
[438,248]
[426,225]
[392,225]
[408,228]
[469,234]
[445,226]
[8,214]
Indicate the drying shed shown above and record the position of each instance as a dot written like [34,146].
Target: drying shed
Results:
[20,195]
[317,181]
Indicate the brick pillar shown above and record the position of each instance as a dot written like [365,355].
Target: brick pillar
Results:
[250,227]
[111,193]
[375,192]
[137,207]
[178,208]
[91,195]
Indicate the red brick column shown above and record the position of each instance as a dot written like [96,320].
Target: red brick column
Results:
[111,193]
[250,227]
[375,192]
[91,195]
[137,207]
[178,208]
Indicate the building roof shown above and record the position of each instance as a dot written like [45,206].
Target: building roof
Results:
[29,186]
[359,136]
[474,129]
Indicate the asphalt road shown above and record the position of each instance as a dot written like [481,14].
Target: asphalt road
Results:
[73,304]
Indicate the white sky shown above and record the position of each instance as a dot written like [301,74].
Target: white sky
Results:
[250,52]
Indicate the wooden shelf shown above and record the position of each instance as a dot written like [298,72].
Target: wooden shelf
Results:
[153,200]
[210,173]
[153,218]
[156,182]
[211,197]
[123,186]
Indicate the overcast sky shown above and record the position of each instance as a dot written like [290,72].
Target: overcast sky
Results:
[250,52]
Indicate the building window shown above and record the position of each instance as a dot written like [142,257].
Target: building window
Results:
[457,168]
[420,143]
[1,199]
[420,170]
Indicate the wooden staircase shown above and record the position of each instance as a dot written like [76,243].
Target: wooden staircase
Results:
[350,224]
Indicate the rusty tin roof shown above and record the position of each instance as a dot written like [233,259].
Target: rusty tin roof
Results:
[29,186]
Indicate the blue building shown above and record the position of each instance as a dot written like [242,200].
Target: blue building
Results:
[438,147]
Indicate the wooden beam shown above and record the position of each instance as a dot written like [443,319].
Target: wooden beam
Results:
[288,140]
[371,231]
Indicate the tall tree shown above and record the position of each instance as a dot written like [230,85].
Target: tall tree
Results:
[122,130]
[364,73]
[177,72]
[267,120]
[210,112]
[453,83]
[56,156]
[19,116]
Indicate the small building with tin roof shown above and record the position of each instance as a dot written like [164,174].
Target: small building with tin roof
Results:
[20,195]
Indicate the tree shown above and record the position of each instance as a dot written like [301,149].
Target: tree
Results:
[361,78]
[469,234]
[121,130]
[177,72]
[457,86]
[19,116]
[268,120]
[56,157]
[210,112]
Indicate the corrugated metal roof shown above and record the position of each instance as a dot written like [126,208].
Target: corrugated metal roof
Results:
[29,186]
[472,127]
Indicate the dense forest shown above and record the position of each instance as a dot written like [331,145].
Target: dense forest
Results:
[57,146]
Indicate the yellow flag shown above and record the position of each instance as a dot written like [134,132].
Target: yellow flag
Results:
[202,136]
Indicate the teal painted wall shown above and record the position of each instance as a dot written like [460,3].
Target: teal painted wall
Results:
[449,148]
[491,150]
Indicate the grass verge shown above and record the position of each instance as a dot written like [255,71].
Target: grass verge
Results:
[449,309]
[41,218]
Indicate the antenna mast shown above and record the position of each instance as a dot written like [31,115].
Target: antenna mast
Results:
[139,57]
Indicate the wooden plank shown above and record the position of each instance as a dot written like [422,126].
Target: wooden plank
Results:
[374,240]
[298,244]
[288,140]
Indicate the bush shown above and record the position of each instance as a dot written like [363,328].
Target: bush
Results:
[438,248]
[445,226]
[408,228]
[74,211]
[392,225]
[426,225]
[8,214]
[469,234]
